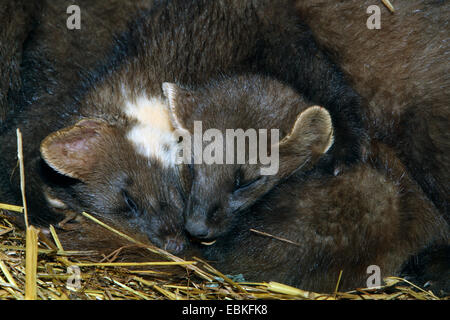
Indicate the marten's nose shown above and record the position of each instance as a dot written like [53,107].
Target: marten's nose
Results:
[197,229]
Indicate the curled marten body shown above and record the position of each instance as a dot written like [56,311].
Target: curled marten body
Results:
[309,229]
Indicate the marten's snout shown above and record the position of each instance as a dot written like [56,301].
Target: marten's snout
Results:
[197,229]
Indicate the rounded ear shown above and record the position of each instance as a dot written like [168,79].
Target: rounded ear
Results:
[74,150]
[181,104]
[310,137]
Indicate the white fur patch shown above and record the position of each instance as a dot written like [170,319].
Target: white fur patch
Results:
[153,136]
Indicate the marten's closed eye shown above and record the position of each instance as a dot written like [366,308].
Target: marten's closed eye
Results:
[241,184]
[132,206]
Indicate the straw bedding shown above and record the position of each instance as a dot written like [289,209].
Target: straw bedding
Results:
[34,265]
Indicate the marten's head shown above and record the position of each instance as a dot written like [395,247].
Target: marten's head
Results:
[242,136]
[122,172]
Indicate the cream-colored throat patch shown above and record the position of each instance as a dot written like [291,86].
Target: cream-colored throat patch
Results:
[153,135]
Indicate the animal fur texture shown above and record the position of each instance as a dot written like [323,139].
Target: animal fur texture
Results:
[402,71]
[18,19]
[87,97]
[220,191]
[314,226]
[88,152]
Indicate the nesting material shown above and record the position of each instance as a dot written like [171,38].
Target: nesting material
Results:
[31,255]
[389,5]
[33,267]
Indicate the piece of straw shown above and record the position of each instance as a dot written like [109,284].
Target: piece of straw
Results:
[7,274]
[288,290]
[391,279]
[338,282]
[5,231]
[132,264]
[11,207]
[140,295]
[197,270]
[56,238]
[221,275]
[22,174]
[389,5]
[274,237]
[31,263]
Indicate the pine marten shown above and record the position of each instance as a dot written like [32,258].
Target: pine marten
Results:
[105,144]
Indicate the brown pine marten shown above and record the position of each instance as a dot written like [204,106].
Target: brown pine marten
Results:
[298,226]
[104,144]
[109,150]
[222,188]
[402,70]
[309,228]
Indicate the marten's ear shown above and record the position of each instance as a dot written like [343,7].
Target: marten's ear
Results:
[310,137]
[73,151]
[181,105]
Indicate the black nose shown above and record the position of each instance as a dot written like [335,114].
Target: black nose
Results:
[197,229]
[174,245]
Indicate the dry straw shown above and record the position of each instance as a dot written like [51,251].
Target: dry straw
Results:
[389,5]
[23,276]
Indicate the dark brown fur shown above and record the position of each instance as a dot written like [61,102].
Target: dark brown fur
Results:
[351,229]
[219,192]
[17,20]
[402,70]
[374,214]
[55,59]
[178,41]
